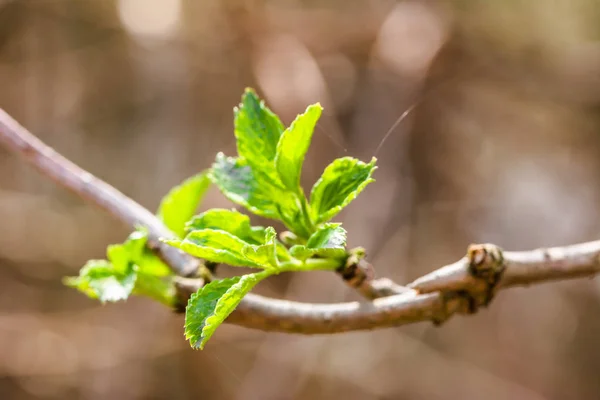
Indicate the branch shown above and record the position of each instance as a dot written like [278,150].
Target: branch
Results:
[460,287]
[454,288]
[19,140]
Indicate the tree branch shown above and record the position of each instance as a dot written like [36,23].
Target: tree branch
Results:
[460,287]
[19,140]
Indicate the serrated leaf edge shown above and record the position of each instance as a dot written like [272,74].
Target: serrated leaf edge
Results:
[332,212]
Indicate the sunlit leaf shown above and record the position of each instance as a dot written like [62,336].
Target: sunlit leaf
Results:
[213,303]
[224,248]
[231,221]
[328,236]
[150,264]
[265,254]
[238,182]
[99,279]
[119,256]
[328,241]
[159,288]
[215,246]
[340,183]
[135,243]
[257,130]
[180,204]
[293,145]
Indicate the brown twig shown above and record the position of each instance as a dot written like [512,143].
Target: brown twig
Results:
[460,287]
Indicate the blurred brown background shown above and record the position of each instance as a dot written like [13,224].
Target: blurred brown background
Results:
[502,146]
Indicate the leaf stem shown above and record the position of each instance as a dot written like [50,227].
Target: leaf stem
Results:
[312,264]
[310,225]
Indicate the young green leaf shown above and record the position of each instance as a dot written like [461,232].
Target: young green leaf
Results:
[291,211]
[257,130]
[224,248]
[340,183]
[159,288]
[238,182]
[213,303]
[180,204]
[134,250]
[328,241]
[119,256]
[135,243]
[293,145]
[100,280]
[328,236]
[130,268]
[216,246]
[266,254]
[237,224]
[231,221]
[149,264]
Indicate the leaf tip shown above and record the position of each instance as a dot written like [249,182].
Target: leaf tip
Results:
[315,106]
[249,95]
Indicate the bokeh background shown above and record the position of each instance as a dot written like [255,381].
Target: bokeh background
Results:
[502,145]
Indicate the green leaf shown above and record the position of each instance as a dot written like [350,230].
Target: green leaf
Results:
[329,241]
[340,183]
[282,252]
[99,279]
[238,182]
[213,303]
[180,204]
[135,243]
[216,246]
[257,130]
[266,254]
[159,288]
[237,224]
[118,255]
[148,263]
[328,236]
[130,268]
[302,252]
[137,252]
[223,247]
[293,145]
[134,250]
[231,221]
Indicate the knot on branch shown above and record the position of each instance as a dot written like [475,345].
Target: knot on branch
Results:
[451,303]
[356,270]
[359,275]
[486,263]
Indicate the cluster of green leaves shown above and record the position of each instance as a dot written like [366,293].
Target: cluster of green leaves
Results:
[130,267]
[264,178]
